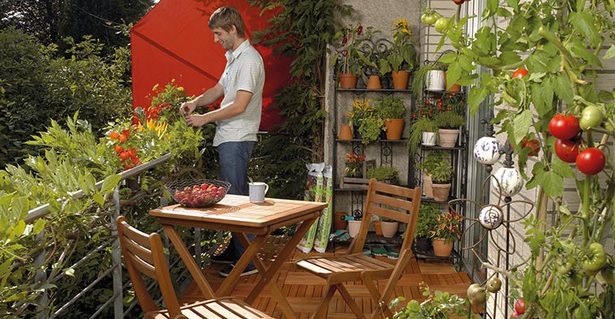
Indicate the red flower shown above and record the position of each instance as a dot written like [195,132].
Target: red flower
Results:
[359,29]
[344,40]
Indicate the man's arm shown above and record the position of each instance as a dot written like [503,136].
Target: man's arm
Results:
[208,97]
[237,107]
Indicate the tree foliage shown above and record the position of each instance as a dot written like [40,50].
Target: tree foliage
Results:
[36,86]
[301,30]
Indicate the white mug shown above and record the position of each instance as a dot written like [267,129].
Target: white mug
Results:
[258,191]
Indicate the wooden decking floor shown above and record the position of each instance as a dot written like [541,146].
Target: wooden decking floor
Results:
[304,290]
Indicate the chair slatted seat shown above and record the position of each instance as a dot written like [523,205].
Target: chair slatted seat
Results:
[144,255]
[384,200]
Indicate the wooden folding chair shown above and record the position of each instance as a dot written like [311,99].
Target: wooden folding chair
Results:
[385,200]
[143,254]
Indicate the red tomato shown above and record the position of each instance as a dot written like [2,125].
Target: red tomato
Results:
[519,73]
[458,2]
[532,144]
[591,161]
[566,150]
[515,315]
[564,127]
[520,306]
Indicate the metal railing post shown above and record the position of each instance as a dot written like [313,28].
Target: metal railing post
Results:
[116,256]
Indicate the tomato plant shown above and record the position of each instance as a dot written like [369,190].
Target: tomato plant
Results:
[595,259]
[590,161]
[590,117]
[566,150]
[429,17]
[441,24]
[520,306]
[563,126]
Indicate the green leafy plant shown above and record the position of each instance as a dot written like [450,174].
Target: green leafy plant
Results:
[427,220]
[383,173]
[402,55]
[416,130]
[418,79]
[440,170]
[370,129]
[449,120]
[449,226]
[437,305]
[390,107]
[431,161]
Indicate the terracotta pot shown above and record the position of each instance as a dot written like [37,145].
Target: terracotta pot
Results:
[348,81]
[340,221]
[442,247]
[455,88]
[373,82]
[394,128]
[389,229]
[353,227]
[440,191]
[426,185]
[378,227]
[400,80]
[447,137]
[345,132]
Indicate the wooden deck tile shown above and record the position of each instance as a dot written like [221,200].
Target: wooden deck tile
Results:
[304,290]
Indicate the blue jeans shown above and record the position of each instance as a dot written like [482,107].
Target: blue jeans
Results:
[233,159]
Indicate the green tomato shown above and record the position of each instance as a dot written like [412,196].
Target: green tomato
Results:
[590,117]
[596,258]
[429,17]
[441,24]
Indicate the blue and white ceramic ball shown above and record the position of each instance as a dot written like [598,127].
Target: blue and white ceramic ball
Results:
[487,150]
[509,180]
[491,217]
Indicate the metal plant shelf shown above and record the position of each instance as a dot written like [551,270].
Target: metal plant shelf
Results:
[355,140]
[373,90]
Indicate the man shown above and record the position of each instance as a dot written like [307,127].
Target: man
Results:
[239,115]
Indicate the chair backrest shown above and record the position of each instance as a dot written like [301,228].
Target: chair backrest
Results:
[393,202]
[144,255]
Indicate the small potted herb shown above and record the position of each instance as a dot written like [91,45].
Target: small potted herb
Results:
[387,174]
[448,123]
[425,224]
[441,173]
[392,110]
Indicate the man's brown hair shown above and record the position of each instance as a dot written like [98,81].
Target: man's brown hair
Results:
[226,18]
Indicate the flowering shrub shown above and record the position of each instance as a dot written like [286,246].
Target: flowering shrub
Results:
[402,55]
[449,226]
[354,164]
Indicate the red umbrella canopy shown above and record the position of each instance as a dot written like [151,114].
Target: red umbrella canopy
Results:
[173,42]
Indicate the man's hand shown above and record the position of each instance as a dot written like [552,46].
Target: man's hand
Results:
[187,108]
[197,120]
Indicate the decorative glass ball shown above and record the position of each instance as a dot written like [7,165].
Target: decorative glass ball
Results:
[491,217]
[509,181]
[487,150]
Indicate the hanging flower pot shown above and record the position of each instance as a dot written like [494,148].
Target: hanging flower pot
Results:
[435,80]
[348,81]
[373,82]
[400,79]
[394,128]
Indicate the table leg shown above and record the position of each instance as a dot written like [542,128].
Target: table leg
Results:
[193,268]
[275,290]
[229,283]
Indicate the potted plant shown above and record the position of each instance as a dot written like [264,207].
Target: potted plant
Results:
[392,110]
[423,128]
[436,305]
[348,63]
[441,174]
[389,227]
[448,127]
[354,165]
[387,174]
[427,165]
[402,56]
[431,77]
[448,229]
[425,224]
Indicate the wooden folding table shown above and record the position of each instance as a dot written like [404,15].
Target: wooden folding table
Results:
[236,214]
